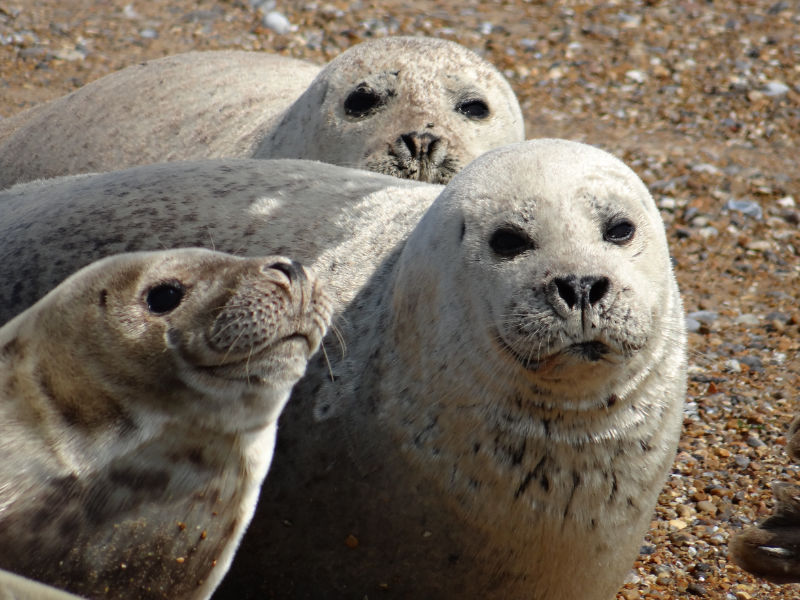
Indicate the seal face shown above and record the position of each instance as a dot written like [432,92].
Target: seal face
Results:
[512,403]
[139,405]
[417,108]
[772,549]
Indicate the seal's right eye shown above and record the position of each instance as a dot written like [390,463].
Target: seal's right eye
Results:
[165,297]
[361,101]
[508,242]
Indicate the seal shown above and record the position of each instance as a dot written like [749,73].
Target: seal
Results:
[419,108]
[511,393]
[772,549]
[139,407]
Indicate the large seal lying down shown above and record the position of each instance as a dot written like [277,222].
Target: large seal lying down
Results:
[509,399]
[418,108]
[138,407]
[772,549]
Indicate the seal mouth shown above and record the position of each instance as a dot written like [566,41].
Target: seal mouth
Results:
[593,351]
[590,351]
[242,371]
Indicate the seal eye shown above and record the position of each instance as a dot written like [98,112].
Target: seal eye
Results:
[361,101]
[165,297]
[620,232]
[474,109]
[508,242]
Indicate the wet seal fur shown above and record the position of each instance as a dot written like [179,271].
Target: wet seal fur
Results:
[418,108]
[138,407]
[772,549]
[510,397]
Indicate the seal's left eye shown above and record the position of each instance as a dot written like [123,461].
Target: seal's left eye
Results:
[362,101]
[165,297]
[474,109]
[619,232]
[508,243]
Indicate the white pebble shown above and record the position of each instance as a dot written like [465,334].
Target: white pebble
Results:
[277,23]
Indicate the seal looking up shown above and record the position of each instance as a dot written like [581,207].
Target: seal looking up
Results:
[138,413]
[512,390]
[412,107]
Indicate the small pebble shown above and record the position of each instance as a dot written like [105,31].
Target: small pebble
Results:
[775,89]
[277,23]
[704,316]
[748,208]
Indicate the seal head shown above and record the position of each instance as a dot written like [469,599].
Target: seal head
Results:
[416,108]
[139,405]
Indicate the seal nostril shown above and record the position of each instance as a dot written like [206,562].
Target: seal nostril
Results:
[566,289]
[289,269]
[420,144]
[598,287]
[412,142]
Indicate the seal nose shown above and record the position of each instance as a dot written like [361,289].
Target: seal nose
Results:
[587,290]
[420,144]
[293,270]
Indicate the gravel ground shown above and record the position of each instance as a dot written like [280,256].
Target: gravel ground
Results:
[700,97]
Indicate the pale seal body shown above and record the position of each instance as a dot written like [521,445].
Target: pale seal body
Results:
[772,548]
[182,107]
[418,108]
[510,396]
[139,402]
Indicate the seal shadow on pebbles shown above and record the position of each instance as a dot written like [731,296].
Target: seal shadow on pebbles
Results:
[511,394]
[138,408]
[418,108]
[772,548]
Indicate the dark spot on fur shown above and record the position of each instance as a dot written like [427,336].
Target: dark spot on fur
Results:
[531,475]
[646,447]
[196,456]
[12,349]
[149,481]
[463,230]
[476,447]
[103,298]
[453,558]
[612,400]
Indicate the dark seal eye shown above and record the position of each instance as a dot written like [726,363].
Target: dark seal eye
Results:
[508,242]
[474,109]
[362,101]
[165,297]
[619,232]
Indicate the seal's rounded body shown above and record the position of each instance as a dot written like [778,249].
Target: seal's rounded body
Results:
[138,410]
[508,400]
[417,108]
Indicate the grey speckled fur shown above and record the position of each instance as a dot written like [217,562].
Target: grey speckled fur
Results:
[467,446]
[252,104]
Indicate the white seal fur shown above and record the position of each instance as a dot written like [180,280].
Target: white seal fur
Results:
[510,397]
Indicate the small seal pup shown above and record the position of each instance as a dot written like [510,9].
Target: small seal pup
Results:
[412,107]
[772,549]
[138,408]
[511,394]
